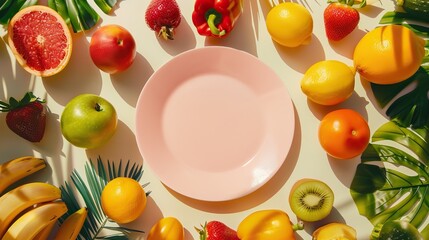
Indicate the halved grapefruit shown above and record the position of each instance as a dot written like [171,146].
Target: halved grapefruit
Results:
[40,40]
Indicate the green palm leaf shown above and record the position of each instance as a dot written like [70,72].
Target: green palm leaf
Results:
[90,193]
[392,180]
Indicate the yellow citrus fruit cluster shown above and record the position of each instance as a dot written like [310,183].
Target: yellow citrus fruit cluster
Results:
[385,55]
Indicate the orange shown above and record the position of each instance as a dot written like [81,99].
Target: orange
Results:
[40,40]
[389,54]
[123,199]
[344,133]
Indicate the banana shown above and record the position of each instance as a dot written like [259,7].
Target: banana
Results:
[14,202]
[46,232]
[18,168]
[70,228]
[27,226]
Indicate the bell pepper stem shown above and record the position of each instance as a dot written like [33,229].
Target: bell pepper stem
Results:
[212,26]
[298,226]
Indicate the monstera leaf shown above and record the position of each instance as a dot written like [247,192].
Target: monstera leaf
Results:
[392,180]
[410,109]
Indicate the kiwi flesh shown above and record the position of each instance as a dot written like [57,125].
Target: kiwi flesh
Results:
[311,199]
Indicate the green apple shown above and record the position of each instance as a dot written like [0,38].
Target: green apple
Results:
[88,121]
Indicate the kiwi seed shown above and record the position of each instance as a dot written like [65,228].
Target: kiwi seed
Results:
[311,200]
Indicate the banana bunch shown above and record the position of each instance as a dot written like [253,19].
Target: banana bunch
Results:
[31,210]
[16,169]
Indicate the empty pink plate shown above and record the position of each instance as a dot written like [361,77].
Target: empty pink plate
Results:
[214,123]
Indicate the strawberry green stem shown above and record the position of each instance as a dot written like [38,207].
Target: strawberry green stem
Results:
[14,104]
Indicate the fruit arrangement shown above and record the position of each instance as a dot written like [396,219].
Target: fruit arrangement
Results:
[66,38]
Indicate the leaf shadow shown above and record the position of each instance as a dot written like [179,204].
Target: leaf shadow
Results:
[130,83]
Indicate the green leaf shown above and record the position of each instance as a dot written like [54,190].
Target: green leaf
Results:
[105,6]
[11,9]
[5,4]
[413,139]
[80,14]
[405,19]
[13,102]
[60,6]
[29,3]
[111,3]
[410,109]
[90,193]
[87,15]
[392,180]
[73,14]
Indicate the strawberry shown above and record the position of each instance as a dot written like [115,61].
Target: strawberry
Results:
[341,18]
[26,117]
[163,16]
[215,230]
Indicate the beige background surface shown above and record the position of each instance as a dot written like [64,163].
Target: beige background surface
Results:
[306,158]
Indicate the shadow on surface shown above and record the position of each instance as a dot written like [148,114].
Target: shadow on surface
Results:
[130,83]
[75,75]
[298,58]
[122,146]
[184,39]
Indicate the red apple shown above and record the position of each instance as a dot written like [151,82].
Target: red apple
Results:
[112,48]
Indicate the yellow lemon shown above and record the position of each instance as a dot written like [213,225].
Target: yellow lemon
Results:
[290,24]
[388,54]
[328,82]
[123,199]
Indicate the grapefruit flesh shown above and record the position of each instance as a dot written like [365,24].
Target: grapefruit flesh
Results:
[40,40]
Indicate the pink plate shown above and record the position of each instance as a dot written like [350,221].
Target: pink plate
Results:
[214,123]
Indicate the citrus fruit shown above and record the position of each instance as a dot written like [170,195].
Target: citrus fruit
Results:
[344,133]
[328,82]
[123,199]
[290,24]
[40,40]
[388,54]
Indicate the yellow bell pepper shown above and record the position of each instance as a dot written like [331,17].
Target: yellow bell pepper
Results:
[270,224]
[168,228]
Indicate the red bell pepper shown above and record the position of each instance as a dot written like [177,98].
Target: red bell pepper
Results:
[216,17]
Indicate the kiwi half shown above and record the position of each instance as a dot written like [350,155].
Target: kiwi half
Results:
[311,199]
